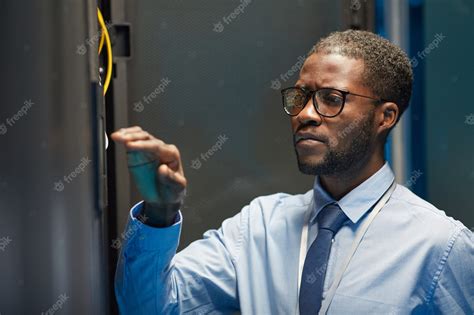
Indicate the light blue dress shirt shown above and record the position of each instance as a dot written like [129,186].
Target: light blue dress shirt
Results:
[413,259]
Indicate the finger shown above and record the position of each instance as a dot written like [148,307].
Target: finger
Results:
[171,185]
[130,129]
[171,178]
[133,136]
[165,153]
[123,131]
[141,135]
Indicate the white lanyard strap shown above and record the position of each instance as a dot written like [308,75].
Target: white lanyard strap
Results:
[303,247]
[332,290]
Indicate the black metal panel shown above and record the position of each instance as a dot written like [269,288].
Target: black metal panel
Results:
[50,220]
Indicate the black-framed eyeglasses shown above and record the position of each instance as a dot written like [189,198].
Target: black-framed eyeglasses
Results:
[328,102]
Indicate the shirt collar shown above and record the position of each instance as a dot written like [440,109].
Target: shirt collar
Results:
[360,199]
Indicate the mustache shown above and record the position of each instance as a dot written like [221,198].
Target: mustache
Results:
[307,128]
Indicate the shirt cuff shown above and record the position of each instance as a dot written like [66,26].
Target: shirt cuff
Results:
[153,238]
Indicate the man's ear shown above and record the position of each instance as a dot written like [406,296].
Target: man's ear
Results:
[387,114]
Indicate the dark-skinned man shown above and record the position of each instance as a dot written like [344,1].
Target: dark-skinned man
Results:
[355,243]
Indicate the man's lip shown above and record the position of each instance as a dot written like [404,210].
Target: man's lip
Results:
[306,135]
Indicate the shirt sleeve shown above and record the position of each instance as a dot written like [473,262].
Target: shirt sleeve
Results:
[454,293]
[152,279]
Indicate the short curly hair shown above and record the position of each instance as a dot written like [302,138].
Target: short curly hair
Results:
[387,68]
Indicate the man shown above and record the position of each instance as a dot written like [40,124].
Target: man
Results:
[355,243]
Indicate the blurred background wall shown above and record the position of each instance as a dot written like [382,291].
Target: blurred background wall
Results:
[448,80]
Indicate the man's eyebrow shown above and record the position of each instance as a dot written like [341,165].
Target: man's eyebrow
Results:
[305,86]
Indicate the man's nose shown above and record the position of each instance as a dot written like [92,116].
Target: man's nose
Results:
[309,113]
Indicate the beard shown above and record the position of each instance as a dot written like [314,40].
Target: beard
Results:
[348,151]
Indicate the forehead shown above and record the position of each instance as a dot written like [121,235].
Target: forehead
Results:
[331,70]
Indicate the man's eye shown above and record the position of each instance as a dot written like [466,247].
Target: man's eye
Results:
[299,98]
[332,99]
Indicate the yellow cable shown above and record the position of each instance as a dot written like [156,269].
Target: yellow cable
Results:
[101,43]
[108,77]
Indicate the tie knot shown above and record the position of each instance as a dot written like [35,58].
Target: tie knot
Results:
[331,218]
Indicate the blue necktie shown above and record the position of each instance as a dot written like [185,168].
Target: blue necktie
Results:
[330,220]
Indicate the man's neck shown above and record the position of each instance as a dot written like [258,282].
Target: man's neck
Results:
[338,185]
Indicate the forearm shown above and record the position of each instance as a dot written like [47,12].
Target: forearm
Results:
[153,279]
[143,279]
[159,216]
[142,286]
